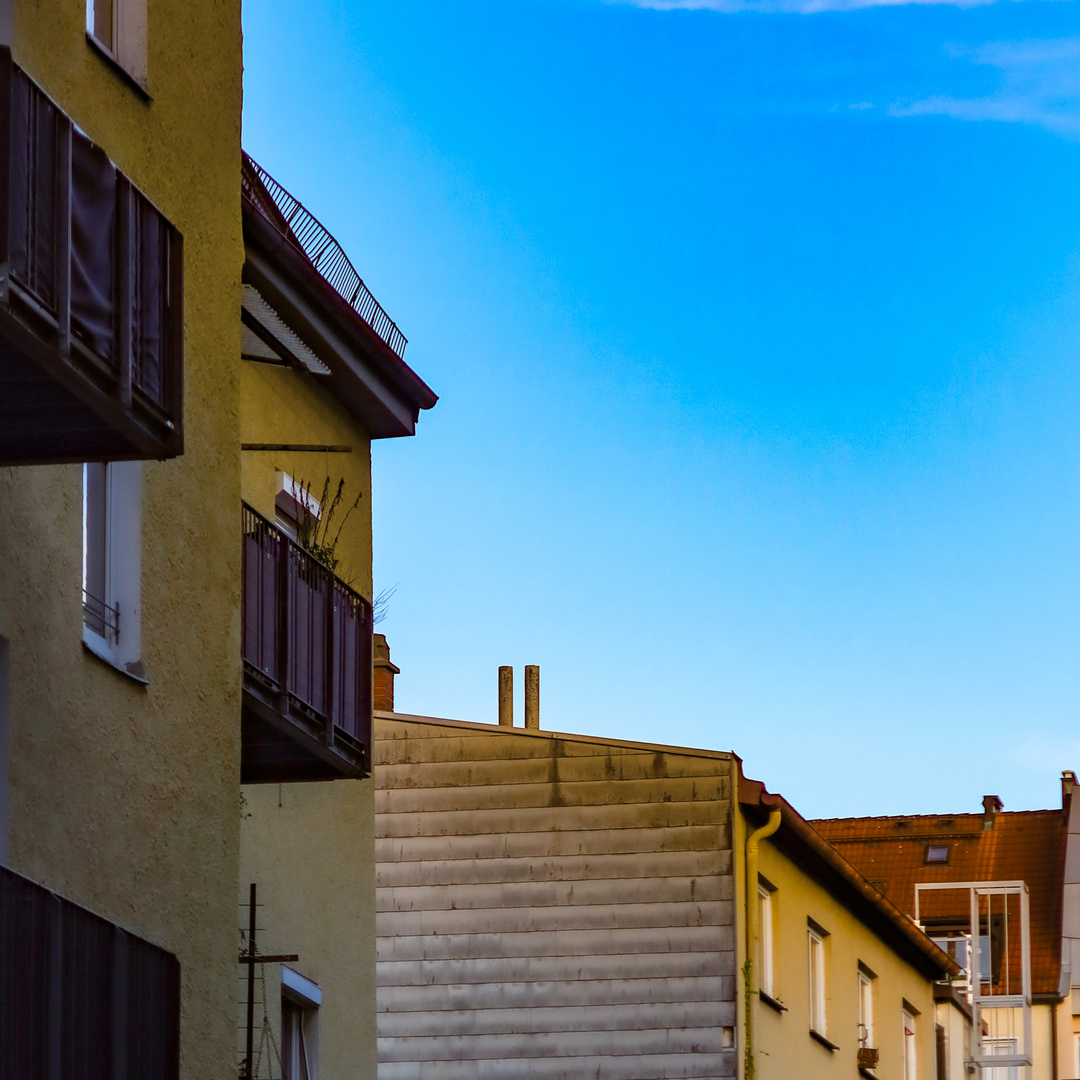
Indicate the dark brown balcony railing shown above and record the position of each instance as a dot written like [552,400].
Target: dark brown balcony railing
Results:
[304,230]
[91,320]
[79,996]
[307,663]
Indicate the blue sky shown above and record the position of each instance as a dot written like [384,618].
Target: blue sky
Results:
[756,326]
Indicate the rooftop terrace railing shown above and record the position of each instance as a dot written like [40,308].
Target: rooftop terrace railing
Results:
[325,254]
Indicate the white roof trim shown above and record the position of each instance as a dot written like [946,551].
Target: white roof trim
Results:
[266,316]
[296,986]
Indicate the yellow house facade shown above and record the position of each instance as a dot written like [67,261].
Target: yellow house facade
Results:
[180,377]
[119,735]
[841,981]
[320,378]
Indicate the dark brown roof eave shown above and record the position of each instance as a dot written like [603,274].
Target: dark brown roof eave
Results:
[801,841]
[265,244]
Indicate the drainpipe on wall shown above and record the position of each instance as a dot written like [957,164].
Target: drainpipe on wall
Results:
[752,842]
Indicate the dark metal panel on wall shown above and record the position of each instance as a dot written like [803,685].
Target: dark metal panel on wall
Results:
[80,997]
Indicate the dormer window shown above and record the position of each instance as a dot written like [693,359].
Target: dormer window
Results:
[937,853]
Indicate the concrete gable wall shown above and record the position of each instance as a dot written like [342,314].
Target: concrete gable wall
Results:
[550,907]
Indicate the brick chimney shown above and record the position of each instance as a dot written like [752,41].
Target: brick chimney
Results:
[383,673]
[991,805]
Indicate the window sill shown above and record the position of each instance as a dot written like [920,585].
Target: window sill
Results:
[105,53]
[818,1037]
[133,670]
[768,999]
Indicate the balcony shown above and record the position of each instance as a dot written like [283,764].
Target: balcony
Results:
[79,996]
[307,665]
[91,290]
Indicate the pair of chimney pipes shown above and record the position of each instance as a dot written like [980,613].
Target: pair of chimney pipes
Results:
[532,696]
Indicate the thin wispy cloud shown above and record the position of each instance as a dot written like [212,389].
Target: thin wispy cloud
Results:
[795,7]
[1039,83]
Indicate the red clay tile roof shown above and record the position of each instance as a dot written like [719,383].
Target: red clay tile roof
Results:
[1026,846]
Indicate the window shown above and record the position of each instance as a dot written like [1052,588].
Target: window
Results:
[866,1008]
[300,1001]
[765,940]
[296,509]
[910,1055]
[119,28]
[1003,1045]
[817,979]
[937,853]
[112,535]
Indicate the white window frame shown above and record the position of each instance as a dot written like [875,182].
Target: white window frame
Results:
[124,41]
[910,1046]
[817,979]
[122,541]
[866,1009]
[765,940]
[300,1001]
[292,505]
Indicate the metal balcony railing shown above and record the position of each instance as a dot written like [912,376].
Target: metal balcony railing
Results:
[91,295]
[324,253]
[306,635]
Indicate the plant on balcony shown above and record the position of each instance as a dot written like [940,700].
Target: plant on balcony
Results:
[317,534]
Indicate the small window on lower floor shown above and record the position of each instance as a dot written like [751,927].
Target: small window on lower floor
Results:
[910,1047]
[866,1009]
[817,979]
[112,546]
[300,1001]
[765,940]
[119,27]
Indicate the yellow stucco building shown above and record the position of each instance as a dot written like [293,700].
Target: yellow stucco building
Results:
[119,632]
[841,980]
[321,377]
[180,374]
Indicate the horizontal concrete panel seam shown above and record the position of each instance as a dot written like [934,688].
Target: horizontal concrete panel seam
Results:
[555,793]
[559,868]
[580,917]
[567,992]
[551,1045]
[578,892]
[712,837]
[543,968]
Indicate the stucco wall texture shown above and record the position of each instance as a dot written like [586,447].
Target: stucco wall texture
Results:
[125,797]
[310,847]
[283,406]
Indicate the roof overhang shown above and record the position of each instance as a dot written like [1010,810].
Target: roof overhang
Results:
[805,846]
[378,388]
